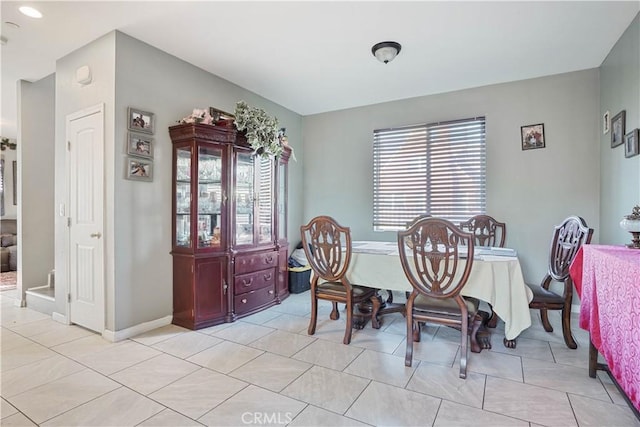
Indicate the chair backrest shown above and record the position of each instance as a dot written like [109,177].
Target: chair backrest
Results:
[486,230]
[327,246]
[430,253]
[567,239]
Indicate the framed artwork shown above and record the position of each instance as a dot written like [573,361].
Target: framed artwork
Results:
[631,141]
[140,145]
[139,169]
[606,122]
[141,121]
[219,115]
[617,129]
[532,136]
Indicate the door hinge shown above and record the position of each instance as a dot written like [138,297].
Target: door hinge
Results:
[68,297]
[68,145]
[69,222]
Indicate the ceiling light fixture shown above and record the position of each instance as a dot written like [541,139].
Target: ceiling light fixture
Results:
[386,51]
[31,12]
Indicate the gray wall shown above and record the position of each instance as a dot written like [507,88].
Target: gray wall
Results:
[620,176]
[71,97]
[529,190]
[130,73]
[154,81]
[36,211]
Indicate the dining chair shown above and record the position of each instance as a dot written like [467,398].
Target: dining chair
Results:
[327,246]
[437,267]
[572,233]
[486,230]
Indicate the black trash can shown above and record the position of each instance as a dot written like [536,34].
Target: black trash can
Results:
[299,279]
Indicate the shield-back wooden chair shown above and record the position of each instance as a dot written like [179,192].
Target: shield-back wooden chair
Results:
[487,231]
[567,239]
[437,267]
[327,246]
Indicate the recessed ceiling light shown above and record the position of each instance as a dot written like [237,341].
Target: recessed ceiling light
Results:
[30,12]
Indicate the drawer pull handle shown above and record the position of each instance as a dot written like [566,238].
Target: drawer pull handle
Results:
[244,300]
[247,283]
[271,292]
[268,260]
[267,276]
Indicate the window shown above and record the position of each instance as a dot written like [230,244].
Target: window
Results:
[437,169]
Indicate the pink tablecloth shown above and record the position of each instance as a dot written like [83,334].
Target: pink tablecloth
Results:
[607,279]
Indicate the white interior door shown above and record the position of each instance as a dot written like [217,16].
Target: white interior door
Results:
[85,145]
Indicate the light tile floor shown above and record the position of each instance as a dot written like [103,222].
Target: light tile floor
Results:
[266,370]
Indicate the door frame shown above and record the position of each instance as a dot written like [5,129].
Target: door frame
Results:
[100,109]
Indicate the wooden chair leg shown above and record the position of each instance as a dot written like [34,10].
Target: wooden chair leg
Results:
[375,307]
[408,358]
[314,315]
[464,331]
[475,326]
[416,331]
[493,318]
[545,320]
[347,333]
[566,328]
[335,314]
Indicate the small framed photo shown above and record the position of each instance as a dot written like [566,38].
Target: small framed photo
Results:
[219,115]
[617,129]
[141,121]
[140,145]
[532,136]
[139,169]
[631,143]
[606,122]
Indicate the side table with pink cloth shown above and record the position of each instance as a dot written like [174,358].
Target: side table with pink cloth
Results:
[607,279]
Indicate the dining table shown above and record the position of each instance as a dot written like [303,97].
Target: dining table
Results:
[496,278]
[607,279]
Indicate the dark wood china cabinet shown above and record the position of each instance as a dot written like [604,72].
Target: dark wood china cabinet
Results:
[229,226]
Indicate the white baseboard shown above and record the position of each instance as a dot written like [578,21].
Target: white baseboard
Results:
[58,317]
[123,334]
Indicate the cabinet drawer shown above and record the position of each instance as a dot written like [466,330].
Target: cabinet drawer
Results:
[248,301]
[255,262]
[252,281]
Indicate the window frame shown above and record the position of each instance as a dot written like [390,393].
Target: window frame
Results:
[417,168]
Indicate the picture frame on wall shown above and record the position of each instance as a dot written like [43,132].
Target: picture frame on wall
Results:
[532,136]
[632,143]
[139,169]
[141,121]
[606,122]
[140,145]
[617,129]
[221,118]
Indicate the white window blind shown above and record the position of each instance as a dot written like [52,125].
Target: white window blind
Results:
[437,169]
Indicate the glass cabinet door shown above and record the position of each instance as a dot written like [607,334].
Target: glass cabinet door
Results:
[265,200]
[282,196]
[183,197]
[244,199]
[209,196]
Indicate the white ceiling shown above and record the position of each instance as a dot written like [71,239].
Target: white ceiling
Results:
[313,57]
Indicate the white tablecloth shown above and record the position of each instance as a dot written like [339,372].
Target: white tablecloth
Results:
[495,279]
